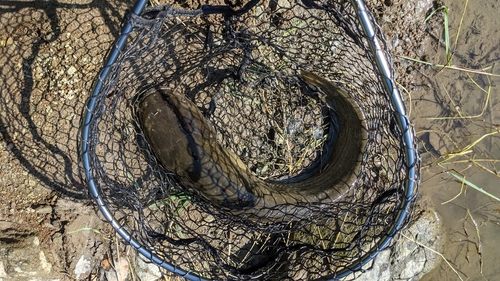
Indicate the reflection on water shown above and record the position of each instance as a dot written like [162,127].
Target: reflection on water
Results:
[471,220]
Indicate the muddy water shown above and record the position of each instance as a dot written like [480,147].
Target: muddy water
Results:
[472,220]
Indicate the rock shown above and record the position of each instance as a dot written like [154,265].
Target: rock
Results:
[44,210]
[3,274]
[410,259]
[407,259]
[71,70]
[44,264]
[6,225]
[111,275]
[82,267]
[120,271]
[147,271]
[23,259]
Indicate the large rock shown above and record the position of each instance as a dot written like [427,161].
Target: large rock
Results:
[411,256]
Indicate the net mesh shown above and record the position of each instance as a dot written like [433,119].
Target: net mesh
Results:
[239,65]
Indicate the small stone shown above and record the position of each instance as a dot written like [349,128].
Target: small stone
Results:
[71,70]
[44,264]
[3,274]
[44,210]
[70,95]
[38,72]
[9,41]
[147,271]
[111,275]
[82,267]
[6,225]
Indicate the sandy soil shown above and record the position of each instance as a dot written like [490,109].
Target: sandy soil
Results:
[50,52]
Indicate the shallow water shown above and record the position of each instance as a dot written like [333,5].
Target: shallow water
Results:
[471,221]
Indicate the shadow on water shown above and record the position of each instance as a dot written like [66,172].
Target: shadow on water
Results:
[50,52]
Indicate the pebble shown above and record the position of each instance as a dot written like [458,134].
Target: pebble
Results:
[71,70]
[44,210]
[83,267]
[147,271]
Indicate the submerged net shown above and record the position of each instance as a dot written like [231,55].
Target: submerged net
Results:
[240,66]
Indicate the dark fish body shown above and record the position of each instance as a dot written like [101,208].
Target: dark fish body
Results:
[184,142]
